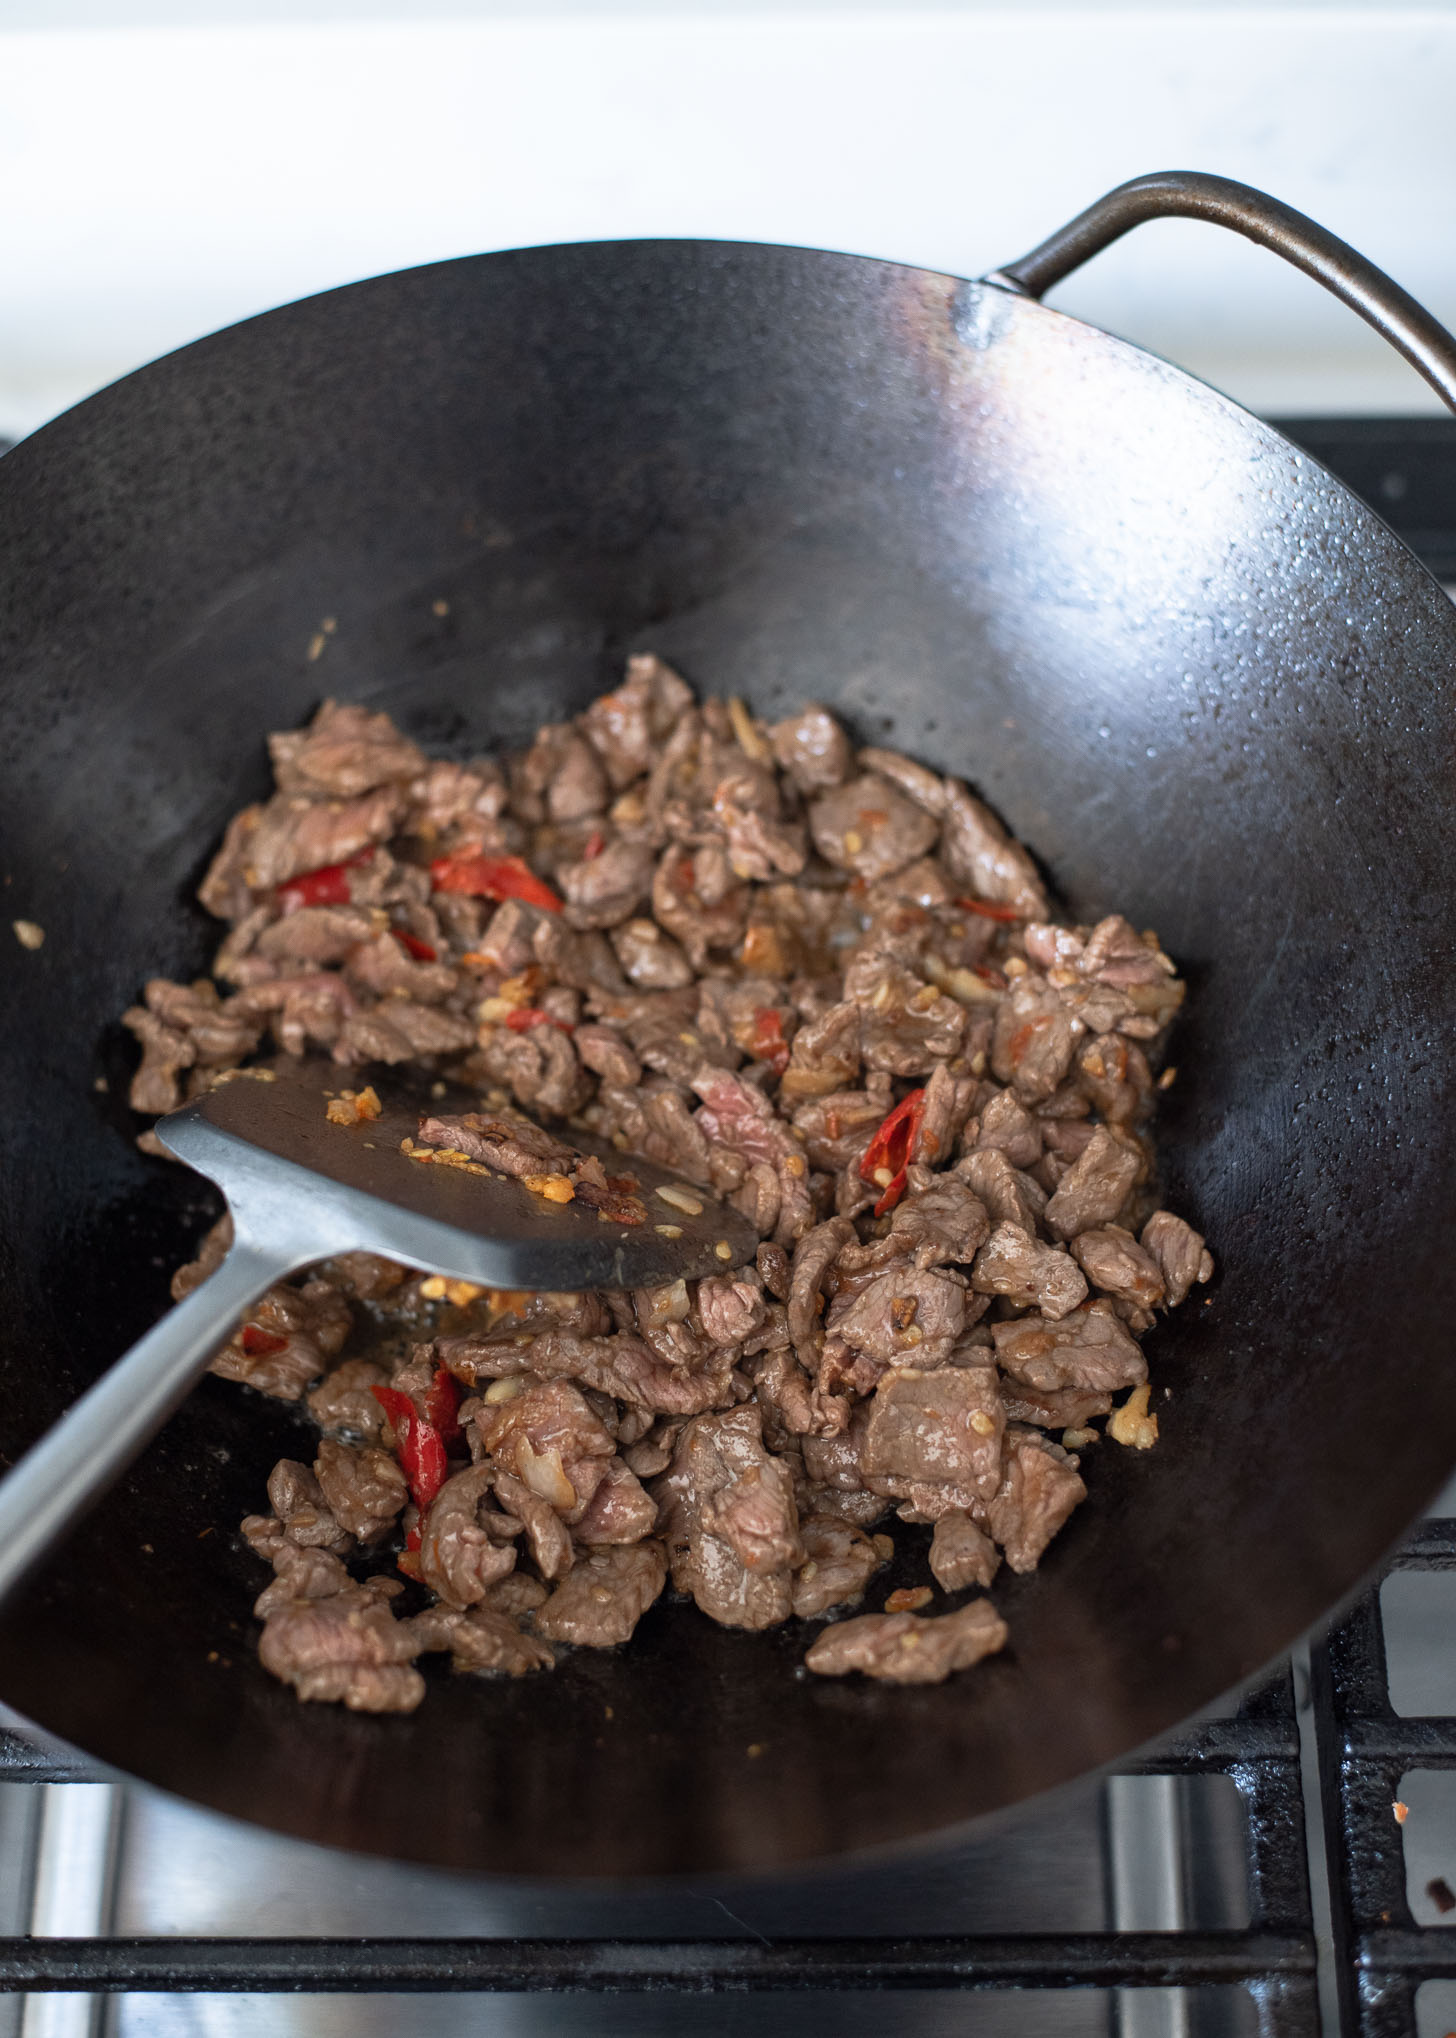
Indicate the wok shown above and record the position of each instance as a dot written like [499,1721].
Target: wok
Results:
[1188,667]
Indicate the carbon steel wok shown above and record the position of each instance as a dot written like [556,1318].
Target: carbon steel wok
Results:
[1190,669]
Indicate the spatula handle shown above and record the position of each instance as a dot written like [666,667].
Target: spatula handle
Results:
[99,1435]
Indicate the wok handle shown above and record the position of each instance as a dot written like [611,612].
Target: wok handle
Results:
[1193,194]
[99,1435]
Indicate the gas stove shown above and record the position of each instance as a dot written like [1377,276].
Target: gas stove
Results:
[1285,1867]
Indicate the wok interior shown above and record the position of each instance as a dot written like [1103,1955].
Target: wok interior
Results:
[1193,674]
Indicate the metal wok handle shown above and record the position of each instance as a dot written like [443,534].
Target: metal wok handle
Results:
[1191,194]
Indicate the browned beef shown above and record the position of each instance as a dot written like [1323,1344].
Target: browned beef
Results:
[941,1223]
[342,1401]
[1034,1040]
[907,1027]
[1095,1187]
[346,1647]
[1053,1407]
[1180,1253]
[1115,1075]
[459,1558]
[739,1118]
[548,1437]
[1089,1350]
[961,1553]
[292,835]
[724,1496]
[814,1255]
[560,778]
[1113,1261]
[363,1487]
[548,1539]
[1010,1196]
[812,748]
[903,1315]
[286,1339]
[978,852]
[901,1648]
[485,1639]
[1005,1123]
[603,1050]
[600,1604]
[936,1428]
[924,788]
[869,828]
[1029,1274]
[774,1269]
[604,889]
[303,1515]
[621,1510]
[838,1564]
[515,1146]
[730,1308]
[1039,1488]
[345,751]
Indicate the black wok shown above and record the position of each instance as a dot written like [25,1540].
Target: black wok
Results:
[1186,664]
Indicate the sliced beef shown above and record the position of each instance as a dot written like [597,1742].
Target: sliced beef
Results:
[1039,1489]
[1005,1124]
[1010,1196]
[1113,1261]
[345,751]
[1180,1253]
[942,1223]
[605,889]
[627,727]
[961,1553]
[942,1427]
[838,1564]
[548,1437]
[869,828]
[725,1502]
[812,748]
[346,1647]
[901,1648]
[303,1515]
[814,1255]
[603,1050]
[907,1027]
[730,1307]
[560,778]
[547,1537]
[1034,1040]
[512,1145]
[1089,1350]
[904,1315]
[607,1593]
[741,1119]
[1053,1407]
[977,851]
[621,1510]
[485,1639]
[1033,1276]
[1095,1187]
[363,1488]
[459,1557]
[286,1339]
[292,835]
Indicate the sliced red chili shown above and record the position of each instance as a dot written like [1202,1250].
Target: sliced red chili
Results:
[890,1149]
[989,975]
[596,842]
[422,951]
[259,1343]
[768,1038]
[326,886]
[492,877]
[421,1449]
[989,912]
[527,1016]
[442,1405]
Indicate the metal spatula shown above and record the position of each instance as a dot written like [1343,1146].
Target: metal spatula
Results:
[301,1188]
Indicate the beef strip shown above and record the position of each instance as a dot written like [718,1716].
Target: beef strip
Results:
[286,1339]
[483,1639]
[1089,1349]
[548,1437]
[546,1535]
[1029,1274]
[901,1648]
[1113,1261]
[600,1604]
[869,828]
[345,1646]
[939,1428]
[511,1145]
[724,1501]
[961,1553]
[1095,1187]
[1034,1040]
[812,748]
[905,1314]
[303,1515]
[1010,1196]
[345,751]
[1179,1252]
[838,1564]
[620,1511]
[342,1401]
[362,1486]
[627,727]
[1039,1489]
[978,852]
[459,1558]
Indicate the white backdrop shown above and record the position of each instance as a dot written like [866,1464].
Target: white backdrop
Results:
[159,180]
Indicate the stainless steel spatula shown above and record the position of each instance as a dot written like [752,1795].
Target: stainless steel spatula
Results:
[301,1188]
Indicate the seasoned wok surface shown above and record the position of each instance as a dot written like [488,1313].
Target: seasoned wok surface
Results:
[1173,654]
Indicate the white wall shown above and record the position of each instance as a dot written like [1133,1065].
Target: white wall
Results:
[164,177]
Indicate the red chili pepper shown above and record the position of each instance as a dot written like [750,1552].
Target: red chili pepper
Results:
[421,1448]
[596,842]
[412,945]
[989,912]
[891,1148]
[989,976]
[492,877]
[326,886]
[526,1016]
[259,1343]
[768,1038]
[442,1405]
